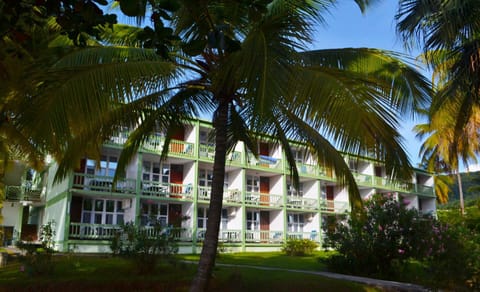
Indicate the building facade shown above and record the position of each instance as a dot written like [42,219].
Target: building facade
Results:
[261,207]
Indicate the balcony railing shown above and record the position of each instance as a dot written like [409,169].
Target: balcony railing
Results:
[307,169]
[22,193]
[167,190]
[362,179]
[98,183]
[332,206]
[119,139]
[108,231]
[229,196]
[261,199]
[263,236]
[302,203]
[93,231]
[312,235]
[224,235]
[425,190]
[264,161]
[177,147]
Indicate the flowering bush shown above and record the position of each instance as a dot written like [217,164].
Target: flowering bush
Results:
[382,238]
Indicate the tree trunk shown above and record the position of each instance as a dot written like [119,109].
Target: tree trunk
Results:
[209,250]
[460,193]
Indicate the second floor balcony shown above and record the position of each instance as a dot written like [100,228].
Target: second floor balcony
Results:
[262,199]
[22,193]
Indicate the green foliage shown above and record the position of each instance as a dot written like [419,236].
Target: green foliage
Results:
[384,237]
[144,245]
[299,247]
[38,257]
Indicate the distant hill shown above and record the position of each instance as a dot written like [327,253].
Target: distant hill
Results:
[470,185]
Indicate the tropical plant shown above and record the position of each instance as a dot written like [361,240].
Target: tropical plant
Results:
[244,63]
[448,33]
[441,153]
[299,247]
[145,246]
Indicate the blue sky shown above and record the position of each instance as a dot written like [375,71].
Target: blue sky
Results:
[346,26]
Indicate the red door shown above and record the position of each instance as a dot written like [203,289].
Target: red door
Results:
[178,135]
[176,180]
[330,197]
[264,189]
[264,226]
[175,215]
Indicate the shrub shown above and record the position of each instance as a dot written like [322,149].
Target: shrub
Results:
[299,247]
[38,257]
[144,245]
[379,240]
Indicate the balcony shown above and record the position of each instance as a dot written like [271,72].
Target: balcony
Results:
[331,206]
[229,196]
[176,147]
[263,236]
[224,235]
[87,231]
[96,183]
[167,190]
[362,179]
[296,202]
[22,193]
[312,235]
[261,199]
[425,190]
[264,161]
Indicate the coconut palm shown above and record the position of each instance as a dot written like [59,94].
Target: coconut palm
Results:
[441,151]
[448,32]
[244,63]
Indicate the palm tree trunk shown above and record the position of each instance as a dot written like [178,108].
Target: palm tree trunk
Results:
[460,193]
[209,250]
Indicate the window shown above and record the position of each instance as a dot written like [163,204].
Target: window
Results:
[102,211]
[108,166]
[155,211]
[298,155]
[295,222]
[253,220]
[151,171]
[291,191]
[202,217]
[205,138]
[253,184]
[224,220]
[205,178]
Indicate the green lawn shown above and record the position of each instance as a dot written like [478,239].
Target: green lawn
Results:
[110,274]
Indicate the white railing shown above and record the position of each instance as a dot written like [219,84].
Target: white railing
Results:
[261,199]
[224,235]
[167,190]
[332,206]
[264,161]
[93,231]
[311,235]
[297,202]
[263,236]
[229,196]
[103,183]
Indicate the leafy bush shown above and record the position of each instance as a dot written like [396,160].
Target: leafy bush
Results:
[299,247]
[144,245]
[387,236]
[380,239]
[38,257]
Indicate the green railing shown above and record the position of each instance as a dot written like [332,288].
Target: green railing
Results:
[206,151]
[263,236]
[261,199]
[307,169]
[176,147]
[295,202]
[119,139]
[425,190]
[167,190]
[363,179]
[99,183]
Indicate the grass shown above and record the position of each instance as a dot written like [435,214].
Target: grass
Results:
[118,274]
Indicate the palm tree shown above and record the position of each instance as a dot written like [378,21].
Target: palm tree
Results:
[246,64]
[448,33]
[442,152]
